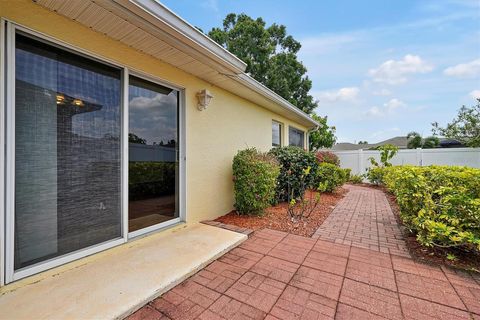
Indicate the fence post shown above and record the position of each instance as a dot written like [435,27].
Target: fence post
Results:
[419,157]
[360,161]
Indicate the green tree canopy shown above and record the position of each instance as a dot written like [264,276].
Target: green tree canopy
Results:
[270,55]
[430,142]
[415,140]
[464,128]
[324,136]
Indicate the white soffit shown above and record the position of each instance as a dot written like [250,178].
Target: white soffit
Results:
[149,27]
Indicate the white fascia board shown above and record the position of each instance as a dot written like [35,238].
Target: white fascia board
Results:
[178,27]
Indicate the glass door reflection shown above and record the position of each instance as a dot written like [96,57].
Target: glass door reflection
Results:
[153,154]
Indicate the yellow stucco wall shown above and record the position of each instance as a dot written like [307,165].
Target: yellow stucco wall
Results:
[213,136]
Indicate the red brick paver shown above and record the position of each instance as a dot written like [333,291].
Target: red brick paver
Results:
[364,219]
[356,267]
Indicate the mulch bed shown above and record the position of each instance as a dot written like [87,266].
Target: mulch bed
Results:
[277,217]
[435,255]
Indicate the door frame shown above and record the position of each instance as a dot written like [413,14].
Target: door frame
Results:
[181,155]
[8,30]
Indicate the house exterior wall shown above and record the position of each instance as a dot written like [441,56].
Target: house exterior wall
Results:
[213,136]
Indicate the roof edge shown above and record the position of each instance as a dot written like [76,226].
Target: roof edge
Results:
[178,25]
[258,87]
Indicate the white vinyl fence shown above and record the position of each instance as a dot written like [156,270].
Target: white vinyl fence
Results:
[357,160]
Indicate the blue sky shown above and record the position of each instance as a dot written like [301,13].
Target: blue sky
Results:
[379,68]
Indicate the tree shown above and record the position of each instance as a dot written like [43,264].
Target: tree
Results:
[133,138]
[464,128]
[430,142]
[415,140]
[323,136]
[362,142]
[270,55]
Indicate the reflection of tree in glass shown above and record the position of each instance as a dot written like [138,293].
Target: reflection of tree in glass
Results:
[133,138]
[169,144]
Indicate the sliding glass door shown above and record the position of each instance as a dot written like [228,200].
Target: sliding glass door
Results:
[67,164]
[92,154]
[153,154]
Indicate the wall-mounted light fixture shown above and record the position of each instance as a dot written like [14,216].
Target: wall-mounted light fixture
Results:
[204,97]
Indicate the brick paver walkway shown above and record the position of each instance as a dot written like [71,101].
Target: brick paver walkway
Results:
[364,219]
[278,276]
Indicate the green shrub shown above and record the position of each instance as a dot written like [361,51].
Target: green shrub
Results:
[330,176]
[375,175]
[255,178]
[356,179]
[441,204]
[293,161]
[328,157]
[348,173]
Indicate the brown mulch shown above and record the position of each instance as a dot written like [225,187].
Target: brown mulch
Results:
[435,255]
[277,217]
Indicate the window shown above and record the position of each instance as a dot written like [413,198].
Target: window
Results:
[276,134]
[67,152]
[296,137]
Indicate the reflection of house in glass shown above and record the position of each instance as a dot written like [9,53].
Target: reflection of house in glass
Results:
[69,181]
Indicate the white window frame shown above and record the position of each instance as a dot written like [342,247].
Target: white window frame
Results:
[281,133]
[8,30]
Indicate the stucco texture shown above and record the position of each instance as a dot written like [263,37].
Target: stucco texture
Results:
[213,136]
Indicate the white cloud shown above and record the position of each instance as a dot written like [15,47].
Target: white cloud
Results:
[382,92]
[394,104]
[343,94]
[388,108]
[475,94]
[464,70]
[396,71]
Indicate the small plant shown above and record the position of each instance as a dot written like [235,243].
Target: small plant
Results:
[302,206]
[451,257]
[387,152]
[255,179]
[293,162]
[356,179]
[328,157]
[375,172]
[375,175]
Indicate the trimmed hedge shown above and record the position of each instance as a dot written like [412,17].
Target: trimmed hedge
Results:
[330,176]
[293,162]
[255,180]
[441,204]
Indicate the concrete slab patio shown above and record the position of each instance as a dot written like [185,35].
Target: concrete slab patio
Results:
[116,282]
[274,275]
